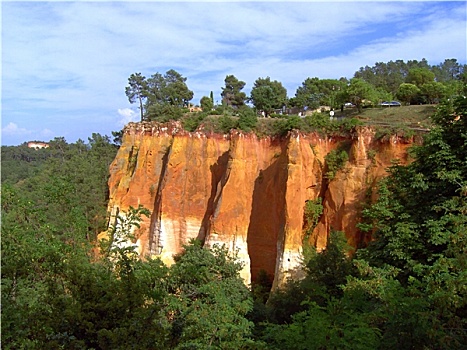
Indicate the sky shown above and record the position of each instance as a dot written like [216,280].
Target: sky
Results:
[65,65]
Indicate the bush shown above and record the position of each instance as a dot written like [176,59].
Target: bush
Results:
[222,124]
[335,161]
[164,113]
[192,122]
[248,119]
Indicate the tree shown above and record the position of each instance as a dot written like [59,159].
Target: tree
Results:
[167,94]
[308,94]
[231,93]
[384,75]
[176,90]
[206,104]
[267,95]
[449,70]
[315,92]
[433,91]
[420,76]
[137,90]
[389,76]
[247,118]
[359,90]
[210,300]
[420,224]
[407,92]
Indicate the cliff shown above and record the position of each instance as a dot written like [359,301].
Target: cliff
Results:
[243,191]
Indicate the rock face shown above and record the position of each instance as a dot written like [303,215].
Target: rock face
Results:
[243,191]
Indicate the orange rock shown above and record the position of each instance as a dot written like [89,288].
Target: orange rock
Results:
[242,191]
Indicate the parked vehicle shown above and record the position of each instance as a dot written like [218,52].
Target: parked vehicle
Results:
[390,104]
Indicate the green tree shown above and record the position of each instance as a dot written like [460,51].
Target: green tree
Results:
[315,92]
[209,299]
[389,76]
[449,70]
[359,90]
[167,94]
[247,118]
[420,76]
[433,91]
[420,223]
[407,92]
[206,104]
[267,95]
[136,91]
[231,93]
[176,90]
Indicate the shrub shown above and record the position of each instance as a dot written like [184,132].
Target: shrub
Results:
[248,119]
[192,122]
[164,113]
[335,161]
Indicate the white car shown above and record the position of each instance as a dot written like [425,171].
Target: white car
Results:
[390,104]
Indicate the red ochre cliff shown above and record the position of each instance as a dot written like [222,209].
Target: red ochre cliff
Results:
[243,191]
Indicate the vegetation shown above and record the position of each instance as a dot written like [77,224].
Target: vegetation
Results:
[415,83]
[335,161]
[267,95]
[405,290]
[231,93]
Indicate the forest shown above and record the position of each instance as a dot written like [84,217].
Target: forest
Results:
[64,289]
[164,96]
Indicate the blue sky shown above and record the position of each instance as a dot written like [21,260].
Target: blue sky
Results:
[65,64]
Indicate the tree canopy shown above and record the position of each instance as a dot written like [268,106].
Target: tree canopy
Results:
[231,93]
[267,95]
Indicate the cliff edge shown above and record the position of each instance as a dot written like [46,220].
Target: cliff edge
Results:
[243,191]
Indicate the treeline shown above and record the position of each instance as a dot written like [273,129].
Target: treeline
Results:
[405,290]
[163,97]
[65,184]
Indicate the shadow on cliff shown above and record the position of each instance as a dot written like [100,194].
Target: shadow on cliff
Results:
[265,236]
[220,172]
[155,245]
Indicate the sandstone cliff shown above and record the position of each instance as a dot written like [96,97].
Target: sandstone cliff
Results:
[243,191]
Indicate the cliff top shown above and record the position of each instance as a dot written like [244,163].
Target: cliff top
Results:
[404,122]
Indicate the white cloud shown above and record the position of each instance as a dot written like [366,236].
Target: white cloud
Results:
[128,115]
[71,60]
[14,129]
[47,133]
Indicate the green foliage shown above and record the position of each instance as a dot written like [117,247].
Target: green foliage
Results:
[312,213]
[137,90]
[316,92]
[231,93]
[193,121]
[335,161]
[319,328]
[420,76]
[359,90]
[407,92]
[433,91]
[211,300]
[70,186]
[160,97]
[56,294]
[225,123]
[164,112]
[419,223]
[247,119]
[206,104]
[389,76]
[267,95]
[21,162]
